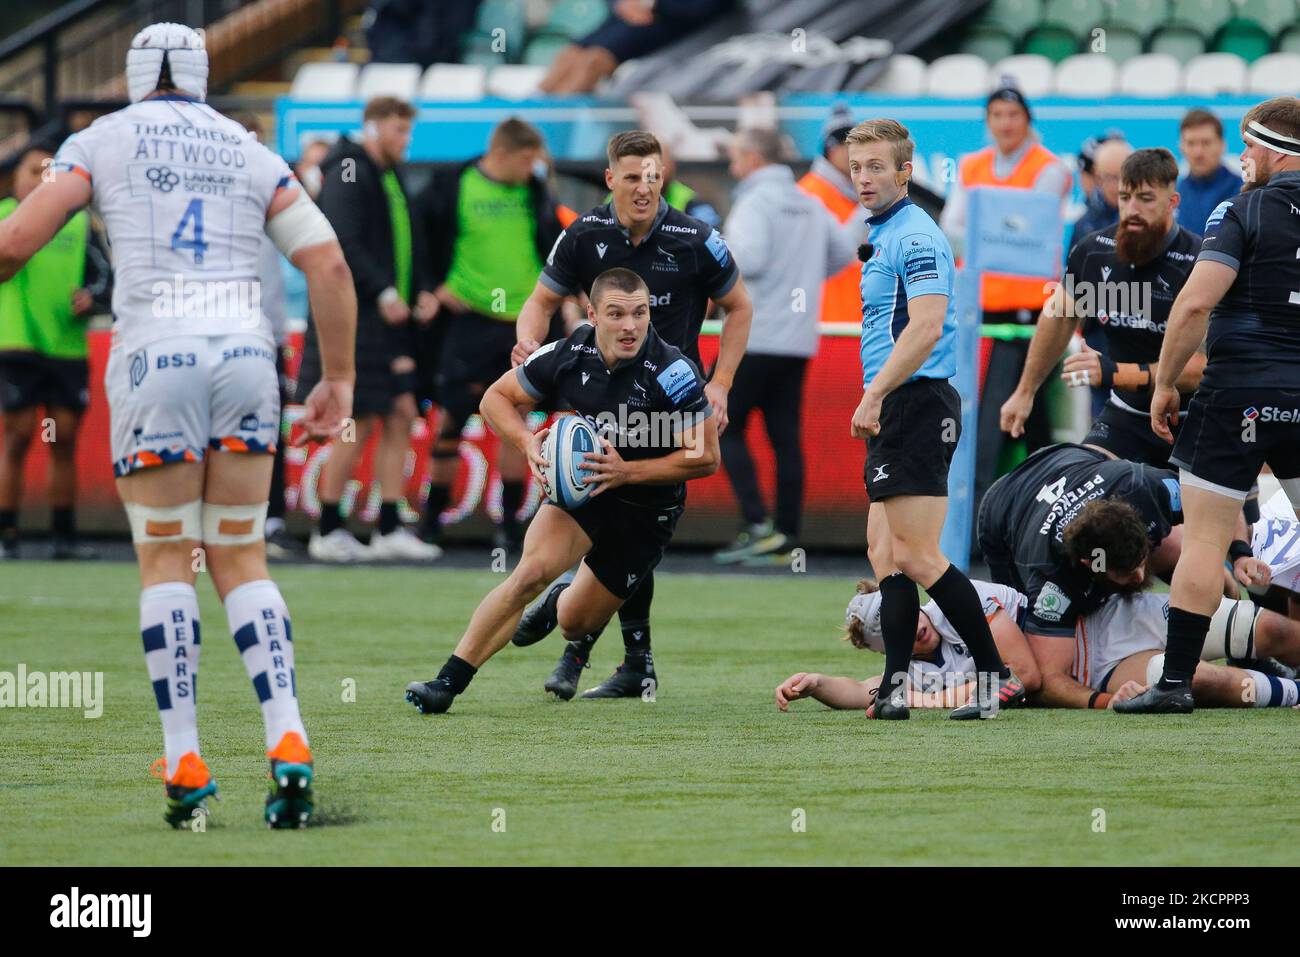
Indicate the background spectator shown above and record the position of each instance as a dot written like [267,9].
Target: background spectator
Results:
[786,244]
[43,313]
[634,29]
[828,180]
[418,31]
[1207,182]
[366,202]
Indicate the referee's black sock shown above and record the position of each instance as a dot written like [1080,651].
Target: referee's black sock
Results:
[330,518]
[1187,632]
[960,604]
[899,608]
[388,520]
[457,673]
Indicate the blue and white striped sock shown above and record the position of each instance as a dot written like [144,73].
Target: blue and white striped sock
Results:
[1273,692]
[169,628]
[259,621]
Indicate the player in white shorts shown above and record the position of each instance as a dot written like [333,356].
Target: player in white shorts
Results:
[941,673]
[188,198]
[1118,652]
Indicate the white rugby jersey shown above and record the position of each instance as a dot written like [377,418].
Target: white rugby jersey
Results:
[953,659]
[183,192]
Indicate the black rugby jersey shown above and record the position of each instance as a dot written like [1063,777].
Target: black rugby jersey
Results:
[639,405]
[683,260]
[1130,302]
[1035,503]
[1254,332]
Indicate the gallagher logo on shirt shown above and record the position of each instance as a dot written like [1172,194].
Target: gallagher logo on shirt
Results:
[920,262]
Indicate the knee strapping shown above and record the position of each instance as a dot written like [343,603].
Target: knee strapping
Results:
[1232,631]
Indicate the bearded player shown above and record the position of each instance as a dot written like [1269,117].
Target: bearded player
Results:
[188,196]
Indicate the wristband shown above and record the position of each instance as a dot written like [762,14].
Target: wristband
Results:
[1099,700]
[1239,549]
[1108,370]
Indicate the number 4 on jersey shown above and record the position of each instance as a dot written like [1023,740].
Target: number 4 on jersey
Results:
[193,216]
[1050,493]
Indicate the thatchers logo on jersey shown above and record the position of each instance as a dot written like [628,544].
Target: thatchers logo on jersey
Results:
[75,909]
[209,300]
[53,689]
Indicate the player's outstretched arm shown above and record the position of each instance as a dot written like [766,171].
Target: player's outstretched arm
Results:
[1051,338]
[1055,656]
[37,218]
[835,692]
[534,320]
[1013,646]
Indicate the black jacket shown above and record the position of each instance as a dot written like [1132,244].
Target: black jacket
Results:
[438,204]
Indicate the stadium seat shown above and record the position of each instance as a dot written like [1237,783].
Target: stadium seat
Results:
[1014,17]
[1032,73]
[1275,74]
[515,81]
[577,18]
[453,81]
[1119,43]
[1247,39]
[989,44]
[1203,16]
[388,79]
[1140,16]
[542,48]
[1086,74]
[501,21]
[1151,74]
[1273,16]
[324,81]
[904,76]
[1179,42]
[1055,43]
[1079,17]
[1213,73]
[957,75]
[478,47]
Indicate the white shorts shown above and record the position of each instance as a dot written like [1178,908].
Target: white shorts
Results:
[1119,629]
[176,398]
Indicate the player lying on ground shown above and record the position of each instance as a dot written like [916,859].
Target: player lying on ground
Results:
[941,672]
[192,383]
[1118,651]
[614,364]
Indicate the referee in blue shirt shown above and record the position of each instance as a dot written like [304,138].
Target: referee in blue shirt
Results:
[911,418]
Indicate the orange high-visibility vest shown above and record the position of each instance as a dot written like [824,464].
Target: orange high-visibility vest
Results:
[565,215]
[998,291]
[841,295]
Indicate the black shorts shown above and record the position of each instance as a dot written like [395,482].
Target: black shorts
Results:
[1229,434]
[1129,436]
[474,353]
[377,386]
[628,540]
[920,424]
[29,379]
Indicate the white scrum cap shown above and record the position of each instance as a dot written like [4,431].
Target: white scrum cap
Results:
[173,44]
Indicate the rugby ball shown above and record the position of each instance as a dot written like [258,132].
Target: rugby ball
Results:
[565,450]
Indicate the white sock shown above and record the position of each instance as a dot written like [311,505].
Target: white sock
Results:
[259,621]
[169,627]
[1273,692]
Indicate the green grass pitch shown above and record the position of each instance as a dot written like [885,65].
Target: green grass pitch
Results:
[710,773]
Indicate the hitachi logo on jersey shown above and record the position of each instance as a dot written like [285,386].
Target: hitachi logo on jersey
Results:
[579,347]
[679,229]
[1270,413]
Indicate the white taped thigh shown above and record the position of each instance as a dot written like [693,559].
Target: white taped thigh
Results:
[233,524]
[151,524]
[1232,631]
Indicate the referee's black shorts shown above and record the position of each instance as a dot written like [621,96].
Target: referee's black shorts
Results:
[920,424]
[1228,435]
[628,540]
[1129,436]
